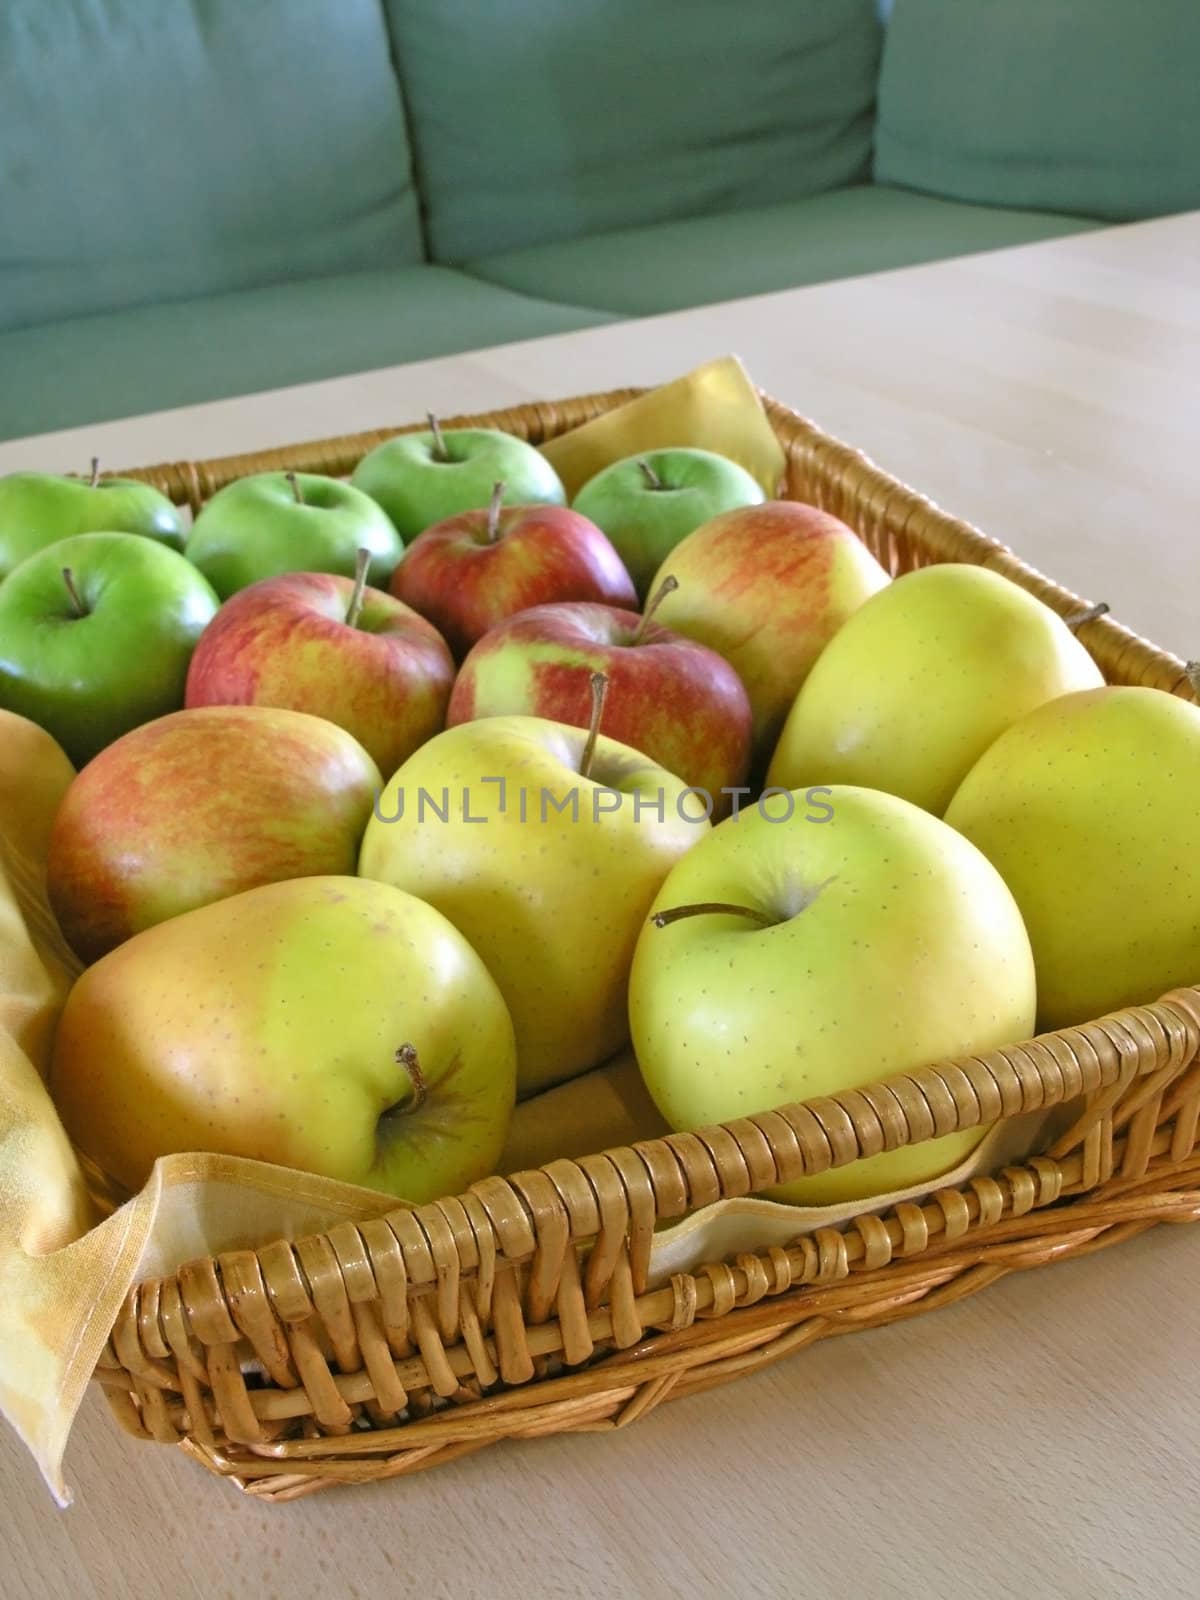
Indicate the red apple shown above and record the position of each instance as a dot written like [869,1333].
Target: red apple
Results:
[673,699]
[767,587]
[471,571]
[199,805]
[310,641]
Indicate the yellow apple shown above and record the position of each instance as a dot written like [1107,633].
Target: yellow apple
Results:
[323,1023]
[1090,809]
[35,774]
[870,943]
[603,1108]
[547,873]
[917,684]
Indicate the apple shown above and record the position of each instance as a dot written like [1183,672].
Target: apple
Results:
[473,570]
[600,1110]
[544,845]
[423,478]
[310,641]
[40,508]
[36,971]
[326,1023]
[200,805]
[1088,809]
[675,700]
[646,504]
[35,774]
[96,633]
[767,587]
[276,522]
[920,681]
[806,948]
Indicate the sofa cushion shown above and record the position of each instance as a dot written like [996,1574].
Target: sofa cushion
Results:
[545,119]
[1087,106]
[837,235]
[151,151]
[89,369]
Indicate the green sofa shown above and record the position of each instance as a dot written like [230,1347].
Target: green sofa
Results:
[201,198]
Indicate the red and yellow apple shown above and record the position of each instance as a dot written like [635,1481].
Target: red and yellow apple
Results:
[308,642]
[767,587]
[326,1023]
[200,805]
[471,571]
[675,700]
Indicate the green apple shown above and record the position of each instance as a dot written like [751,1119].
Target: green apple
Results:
[39,508]
[325,1023]
[646,504]
[1090,809]
[277,522]
[546,871]
[917,683]
[423,478]
[814,946]
[96,633]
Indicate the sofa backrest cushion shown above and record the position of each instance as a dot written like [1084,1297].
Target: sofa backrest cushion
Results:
[155,149]
[1083,106]
[536,120]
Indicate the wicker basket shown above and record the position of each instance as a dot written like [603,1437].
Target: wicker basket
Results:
[523,1307]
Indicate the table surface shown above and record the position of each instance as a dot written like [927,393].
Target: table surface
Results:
[1034,1439]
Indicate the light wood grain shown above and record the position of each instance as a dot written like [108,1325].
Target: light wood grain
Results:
[1038,1438]
[981,1460]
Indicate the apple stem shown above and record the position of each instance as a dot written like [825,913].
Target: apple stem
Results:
[407,1058]
[599,686]
[705,908]
[440,453]
[668,586]
[1192,668]
[653,481]
[1086,614]
[297,493]
[357,594]
[493,516]
[95,472]
[76,601]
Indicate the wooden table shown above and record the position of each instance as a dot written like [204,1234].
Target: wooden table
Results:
[1035,1440]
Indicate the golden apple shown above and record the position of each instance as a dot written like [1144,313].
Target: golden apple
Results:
[547,873]
[918,683]
[871,942]
[603,1108]
[1090,809]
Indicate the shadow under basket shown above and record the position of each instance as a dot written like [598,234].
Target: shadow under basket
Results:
[524,1306]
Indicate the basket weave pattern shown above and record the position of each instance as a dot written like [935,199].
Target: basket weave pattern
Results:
[524,1306]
